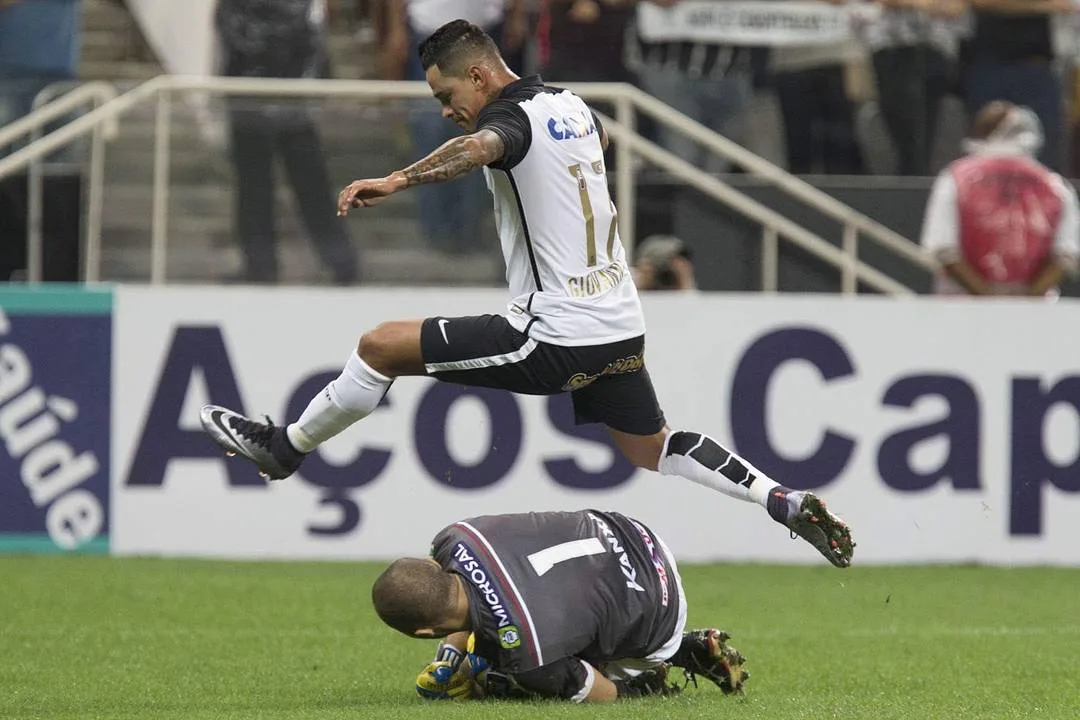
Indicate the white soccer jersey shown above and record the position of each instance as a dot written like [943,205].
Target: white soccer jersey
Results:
[565,264]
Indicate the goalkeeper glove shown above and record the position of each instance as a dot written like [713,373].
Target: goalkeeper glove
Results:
[448,677]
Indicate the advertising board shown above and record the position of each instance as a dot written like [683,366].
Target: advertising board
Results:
[942,430]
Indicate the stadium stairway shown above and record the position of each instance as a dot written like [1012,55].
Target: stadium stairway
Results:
[360,139]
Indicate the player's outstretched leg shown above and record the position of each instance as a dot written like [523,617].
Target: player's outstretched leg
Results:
[263,443]
[278,451]
[697,457]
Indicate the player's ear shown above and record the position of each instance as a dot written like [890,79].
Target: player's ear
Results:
[476,76]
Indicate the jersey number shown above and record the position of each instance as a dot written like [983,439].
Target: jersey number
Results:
[549,557]
[590,218]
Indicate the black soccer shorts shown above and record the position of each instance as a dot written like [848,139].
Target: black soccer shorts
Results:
[607,383]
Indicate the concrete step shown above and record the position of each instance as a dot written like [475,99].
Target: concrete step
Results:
[186,228]
[213,199]
[105,15]
[366,138]
[111,70]
[112,46]
[212,263]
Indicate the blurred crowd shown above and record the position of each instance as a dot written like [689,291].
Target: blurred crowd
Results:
[824,62]
[39,46]
[914,53]
[1014,233]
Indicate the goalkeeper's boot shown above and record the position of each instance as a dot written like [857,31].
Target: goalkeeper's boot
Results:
[706,653]
[263,443]
[805,515]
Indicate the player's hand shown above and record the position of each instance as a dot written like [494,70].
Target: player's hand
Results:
[365,193]
[443,680]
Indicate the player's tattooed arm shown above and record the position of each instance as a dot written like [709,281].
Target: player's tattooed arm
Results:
[453,159]
[456,158]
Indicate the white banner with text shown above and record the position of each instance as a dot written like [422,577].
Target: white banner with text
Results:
[751,22]
[942,430]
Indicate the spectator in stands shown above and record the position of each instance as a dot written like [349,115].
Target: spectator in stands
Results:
[279,39]
[450,213]
[1000,222]
[584,40]
[914,46]
[819,117]
[663,262]
[1074,120]
[366,18]
[710,82]
[1011,58]
[39,45]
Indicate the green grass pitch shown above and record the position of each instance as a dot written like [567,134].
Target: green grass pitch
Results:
[149,638]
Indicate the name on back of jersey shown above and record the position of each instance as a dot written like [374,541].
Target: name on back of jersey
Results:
[627,567]
[597,282]
[571,127]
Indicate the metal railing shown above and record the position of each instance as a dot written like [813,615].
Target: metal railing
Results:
[626,100]
[611,92]
[47,110]
[853,222]
[774,224]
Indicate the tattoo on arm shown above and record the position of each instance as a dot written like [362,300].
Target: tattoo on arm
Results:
[455,158]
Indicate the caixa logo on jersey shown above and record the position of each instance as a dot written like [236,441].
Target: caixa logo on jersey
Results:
[55,372]
[201,351]
[571,127]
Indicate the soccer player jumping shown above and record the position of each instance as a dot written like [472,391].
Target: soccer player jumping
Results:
[575,322]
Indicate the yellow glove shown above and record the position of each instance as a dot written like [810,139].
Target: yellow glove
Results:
[449,678]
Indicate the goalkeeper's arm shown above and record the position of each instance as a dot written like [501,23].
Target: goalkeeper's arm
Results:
[578,681]
[458,641]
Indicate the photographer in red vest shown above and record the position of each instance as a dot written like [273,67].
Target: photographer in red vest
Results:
[1001,222]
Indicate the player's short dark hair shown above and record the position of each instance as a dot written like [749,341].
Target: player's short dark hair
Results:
[413,593]
[454,45]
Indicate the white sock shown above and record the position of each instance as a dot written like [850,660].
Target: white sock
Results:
[701,459]
[352,396]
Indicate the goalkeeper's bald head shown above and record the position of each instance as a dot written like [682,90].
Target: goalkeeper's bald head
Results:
[417,597]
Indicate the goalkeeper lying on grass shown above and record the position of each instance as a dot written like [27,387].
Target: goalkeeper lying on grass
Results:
[585,606]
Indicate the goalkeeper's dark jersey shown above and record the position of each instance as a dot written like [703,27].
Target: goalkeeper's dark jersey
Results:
[547,586]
